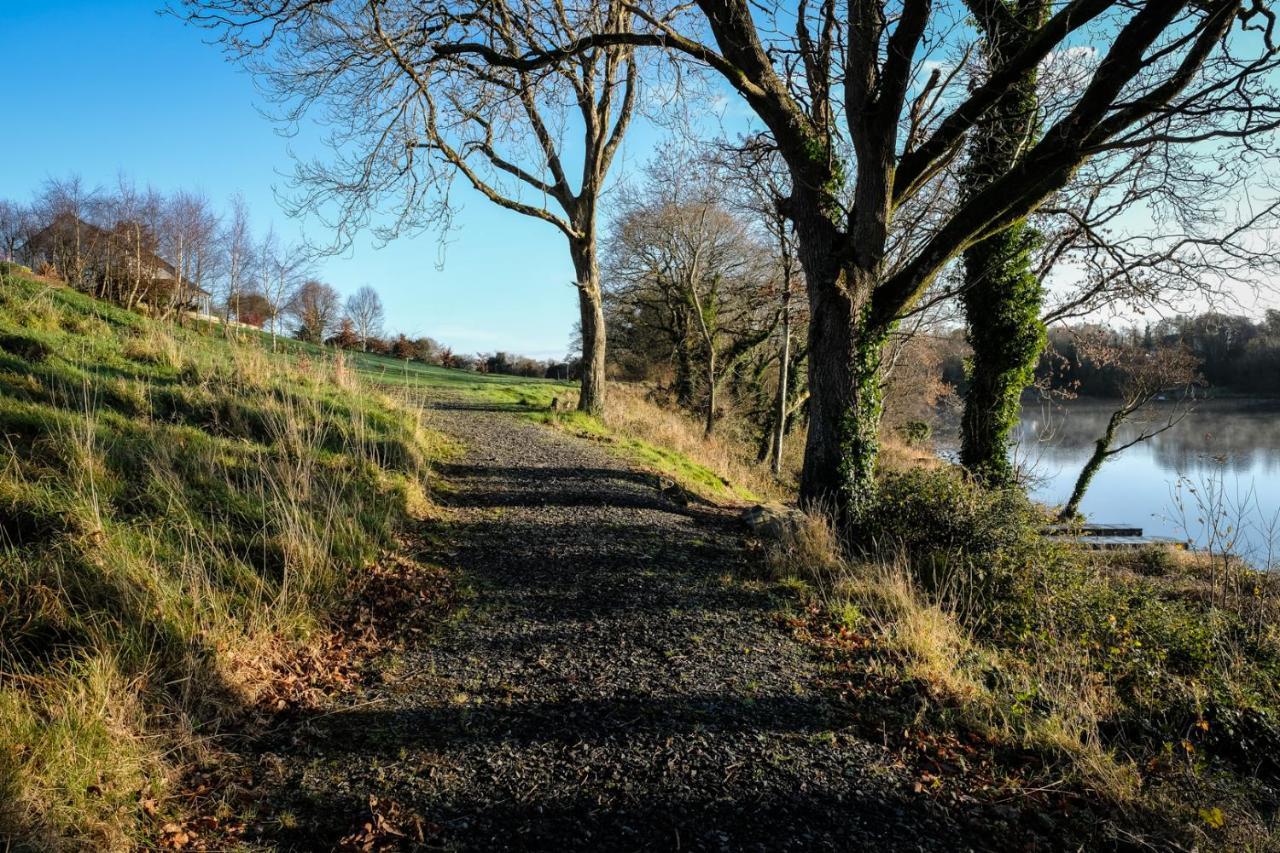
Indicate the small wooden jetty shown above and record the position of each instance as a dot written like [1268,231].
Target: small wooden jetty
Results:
[1108,536]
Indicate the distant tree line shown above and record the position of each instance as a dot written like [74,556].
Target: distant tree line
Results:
[1235,353]
[165,254]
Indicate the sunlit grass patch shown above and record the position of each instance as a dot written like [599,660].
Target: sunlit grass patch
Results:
[176,509]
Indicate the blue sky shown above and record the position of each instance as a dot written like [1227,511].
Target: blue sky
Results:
[100,87]
[108,86]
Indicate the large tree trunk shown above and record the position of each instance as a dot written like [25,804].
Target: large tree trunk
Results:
[1001,294]
[846,399]
[591,309]
[1002,302]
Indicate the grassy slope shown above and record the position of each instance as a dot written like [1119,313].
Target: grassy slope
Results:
[175,510]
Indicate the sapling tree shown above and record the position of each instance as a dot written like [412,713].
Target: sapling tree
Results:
[1169,373]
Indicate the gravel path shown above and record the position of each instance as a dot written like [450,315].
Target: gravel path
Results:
[613,684]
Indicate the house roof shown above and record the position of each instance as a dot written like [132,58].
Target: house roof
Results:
[65,221]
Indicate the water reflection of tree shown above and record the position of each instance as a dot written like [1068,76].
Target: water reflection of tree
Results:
[1246,436]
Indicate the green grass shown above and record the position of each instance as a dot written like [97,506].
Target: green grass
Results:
[532,399]
[176,511]
[389,371]
[693,476]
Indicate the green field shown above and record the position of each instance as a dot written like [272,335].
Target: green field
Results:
[530,397]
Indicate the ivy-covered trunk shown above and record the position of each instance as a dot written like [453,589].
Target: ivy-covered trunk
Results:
[1002,306]
[846,400]
[1001,294]
[1101,450]
[591,311]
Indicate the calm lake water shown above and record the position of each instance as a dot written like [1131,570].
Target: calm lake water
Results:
[1216,475]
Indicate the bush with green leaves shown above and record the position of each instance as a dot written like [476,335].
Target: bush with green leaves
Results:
[970,546]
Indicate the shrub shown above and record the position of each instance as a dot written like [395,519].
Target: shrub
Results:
[1155,561]
[916,432]
[941,510]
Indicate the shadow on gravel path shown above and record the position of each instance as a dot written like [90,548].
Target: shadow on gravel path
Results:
[615,685]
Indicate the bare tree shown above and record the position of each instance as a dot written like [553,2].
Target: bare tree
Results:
[237,247]
[1146,375]
[188,242]
[702,273]
[15,228]
[137,222]
[759,183]
[316,307]
[283,268]
[410,118]
[364,307]
[66,210]
[1177,73]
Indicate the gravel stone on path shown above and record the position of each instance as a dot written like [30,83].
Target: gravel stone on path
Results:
[612,685]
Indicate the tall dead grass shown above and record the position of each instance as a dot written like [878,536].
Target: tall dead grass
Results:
[630,412]
[920,636]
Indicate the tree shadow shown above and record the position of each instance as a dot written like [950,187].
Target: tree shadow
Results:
[762,820]
[463,406]
[729,793]
[481,486]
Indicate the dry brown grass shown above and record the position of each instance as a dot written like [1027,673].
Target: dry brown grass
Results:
[632,413]
[919,638]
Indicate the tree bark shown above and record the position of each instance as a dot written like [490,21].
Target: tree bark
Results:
[1002,301]
[845,397]
[591,309]
[783,364]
